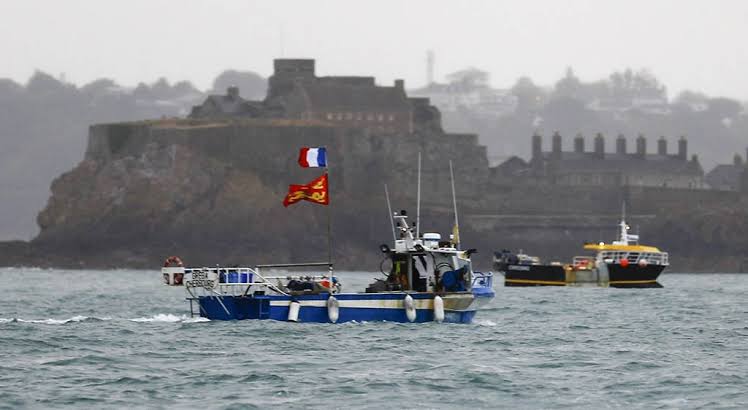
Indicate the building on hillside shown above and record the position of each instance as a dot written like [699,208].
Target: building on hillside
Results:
[581,167]
[296,92]
[481,101]
[228,105]
[729,177]
[651,105]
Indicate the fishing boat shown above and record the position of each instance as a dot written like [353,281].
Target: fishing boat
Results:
[425,280]
[624,263]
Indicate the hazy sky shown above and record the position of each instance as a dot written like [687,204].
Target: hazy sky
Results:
[700,45]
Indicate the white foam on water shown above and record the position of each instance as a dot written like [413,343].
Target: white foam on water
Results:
[55,321]
[169,318]
[196,320]
[489,323]
[51,321]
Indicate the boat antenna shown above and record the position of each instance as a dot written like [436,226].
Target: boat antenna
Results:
[418,200]
[389,209]
[456,229]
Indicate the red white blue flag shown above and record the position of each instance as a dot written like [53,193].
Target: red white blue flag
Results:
[315,157]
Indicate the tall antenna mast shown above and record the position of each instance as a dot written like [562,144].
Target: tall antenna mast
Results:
[430,67]
[418,200]
[389,209]
[454,204]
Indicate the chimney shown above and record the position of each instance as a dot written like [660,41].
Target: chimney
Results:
[662,146]
[621,144]
[537,145]
[682,148]
[737,160]
[232,92]
[599,145]
[400,84]
[579,144]
[556,142]
[641,145]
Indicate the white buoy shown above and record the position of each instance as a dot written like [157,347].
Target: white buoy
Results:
[333,309]
[410,308]
[438,309]
[293,311]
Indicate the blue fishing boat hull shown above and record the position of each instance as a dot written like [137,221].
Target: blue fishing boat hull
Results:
[362,307]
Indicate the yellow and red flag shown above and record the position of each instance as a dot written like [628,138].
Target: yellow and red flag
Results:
[315,191]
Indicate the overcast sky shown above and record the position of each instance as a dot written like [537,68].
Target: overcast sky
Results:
[701,45]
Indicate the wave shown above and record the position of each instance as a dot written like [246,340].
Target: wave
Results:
[50,321]
[161,317]
[169,318]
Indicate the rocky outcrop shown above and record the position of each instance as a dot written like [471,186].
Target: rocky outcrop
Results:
[213,191]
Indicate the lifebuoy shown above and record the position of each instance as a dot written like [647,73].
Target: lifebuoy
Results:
[173,261]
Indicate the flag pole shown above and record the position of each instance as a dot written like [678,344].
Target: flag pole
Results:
[329,224]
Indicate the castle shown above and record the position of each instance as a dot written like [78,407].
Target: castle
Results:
[296,92]
[598,167]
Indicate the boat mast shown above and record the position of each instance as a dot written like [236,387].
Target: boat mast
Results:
[418,200]
[623,237]
[390,214]
[454,204]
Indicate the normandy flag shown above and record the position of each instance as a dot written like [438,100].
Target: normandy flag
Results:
[315,191]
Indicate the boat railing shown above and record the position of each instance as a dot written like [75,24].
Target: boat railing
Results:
[241,280]
[641,258]
[482,279]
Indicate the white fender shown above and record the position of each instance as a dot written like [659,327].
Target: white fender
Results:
[410,308]
[333,309]
[438,309]
[293,311]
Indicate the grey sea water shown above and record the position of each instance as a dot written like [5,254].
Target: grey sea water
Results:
[114,339]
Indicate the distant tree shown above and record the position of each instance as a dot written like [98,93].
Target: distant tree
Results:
[469,79]
[627,85]
[185,88]
[724,108]
[569,86]
[529,96]
[42,83]
[9,88]
[161,89]
[99,87]
[691,97]
[251,85]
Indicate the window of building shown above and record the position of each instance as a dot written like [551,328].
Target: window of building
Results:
[370,117]
[380,117]
[330,116]
[359,116]
[348,116]
[391,117]
[340,116]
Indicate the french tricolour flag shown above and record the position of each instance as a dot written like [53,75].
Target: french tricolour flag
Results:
[313,157]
